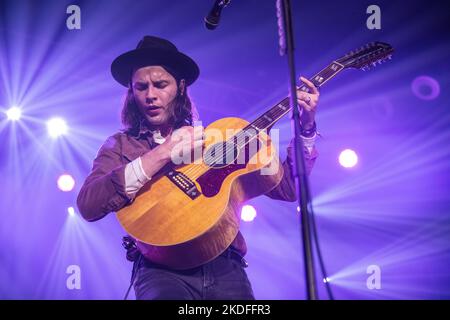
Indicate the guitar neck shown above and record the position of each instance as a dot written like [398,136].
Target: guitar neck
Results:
[270,117]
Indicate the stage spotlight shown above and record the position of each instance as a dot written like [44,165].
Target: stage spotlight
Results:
[14,113]
[248,213]
[326,280]
[71,211]
[66,182]
[56,127]
[348,158]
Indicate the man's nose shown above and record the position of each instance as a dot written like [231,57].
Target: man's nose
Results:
[151,95]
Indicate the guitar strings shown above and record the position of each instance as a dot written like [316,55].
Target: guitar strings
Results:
[198,169]
[210,161]
[213,160]
[326,74]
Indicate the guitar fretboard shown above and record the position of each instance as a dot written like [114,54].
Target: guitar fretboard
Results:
[283,107]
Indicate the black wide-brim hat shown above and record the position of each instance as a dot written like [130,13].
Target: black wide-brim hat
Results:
[154,51]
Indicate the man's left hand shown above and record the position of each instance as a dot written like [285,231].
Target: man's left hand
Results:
[308,102]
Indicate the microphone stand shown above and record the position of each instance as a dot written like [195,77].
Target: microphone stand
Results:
[301,179]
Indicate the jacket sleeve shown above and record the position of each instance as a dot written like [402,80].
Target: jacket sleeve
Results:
[103,190]
[285,190]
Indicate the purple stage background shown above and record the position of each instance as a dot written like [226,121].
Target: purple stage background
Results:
[391,211]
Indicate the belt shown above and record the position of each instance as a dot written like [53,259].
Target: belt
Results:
[233,254]
[229,253]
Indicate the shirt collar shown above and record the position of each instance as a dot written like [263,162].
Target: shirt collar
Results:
[144,131]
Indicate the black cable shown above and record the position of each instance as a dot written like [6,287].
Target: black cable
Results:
[133,275]
[319,253]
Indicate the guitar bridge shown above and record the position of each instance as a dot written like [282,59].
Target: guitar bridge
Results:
[183,183]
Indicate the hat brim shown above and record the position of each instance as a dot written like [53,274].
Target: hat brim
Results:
[123,66]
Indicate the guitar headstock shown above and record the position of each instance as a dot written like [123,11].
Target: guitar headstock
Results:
[367,56]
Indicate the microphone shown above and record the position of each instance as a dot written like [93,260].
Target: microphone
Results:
[213,18]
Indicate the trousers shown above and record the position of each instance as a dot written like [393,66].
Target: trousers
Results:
[223,278]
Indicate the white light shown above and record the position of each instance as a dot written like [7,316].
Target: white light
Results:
[326,280]
[71,211]
[348,158]
[56,127]
[66,182]
[248,213]
[14,113]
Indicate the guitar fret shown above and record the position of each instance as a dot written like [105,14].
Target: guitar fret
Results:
[267,118]
[283,107]
[319,79]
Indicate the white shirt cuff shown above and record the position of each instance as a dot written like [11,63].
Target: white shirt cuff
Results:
[309,143]
[135,177]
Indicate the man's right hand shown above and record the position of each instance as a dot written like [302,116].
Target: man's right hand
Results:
[183,143]
[186,139]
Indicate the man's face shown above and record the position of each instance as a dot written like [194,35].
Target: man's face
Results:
[154,88]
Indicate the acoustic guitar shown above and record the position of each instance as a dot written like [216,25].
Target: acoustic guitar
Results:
[187,214]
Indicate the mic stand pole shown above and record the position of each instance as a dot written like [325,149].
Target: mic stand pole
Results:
[301,179]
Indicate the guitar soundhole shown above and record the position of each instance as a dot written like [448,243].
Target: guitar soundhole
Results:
[221,154]
[211,181]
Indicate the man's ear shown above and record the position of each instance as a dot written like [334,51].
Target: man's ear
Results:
[182,86]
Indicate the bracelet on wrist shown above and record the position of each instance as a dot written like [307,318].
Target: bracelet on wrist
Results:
[310,132]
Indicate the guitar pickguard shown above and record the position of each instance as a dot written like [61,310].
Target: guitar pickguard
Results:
[211,181]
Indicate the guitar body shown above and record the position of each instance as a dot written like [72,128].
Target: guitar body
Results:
[175,230]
